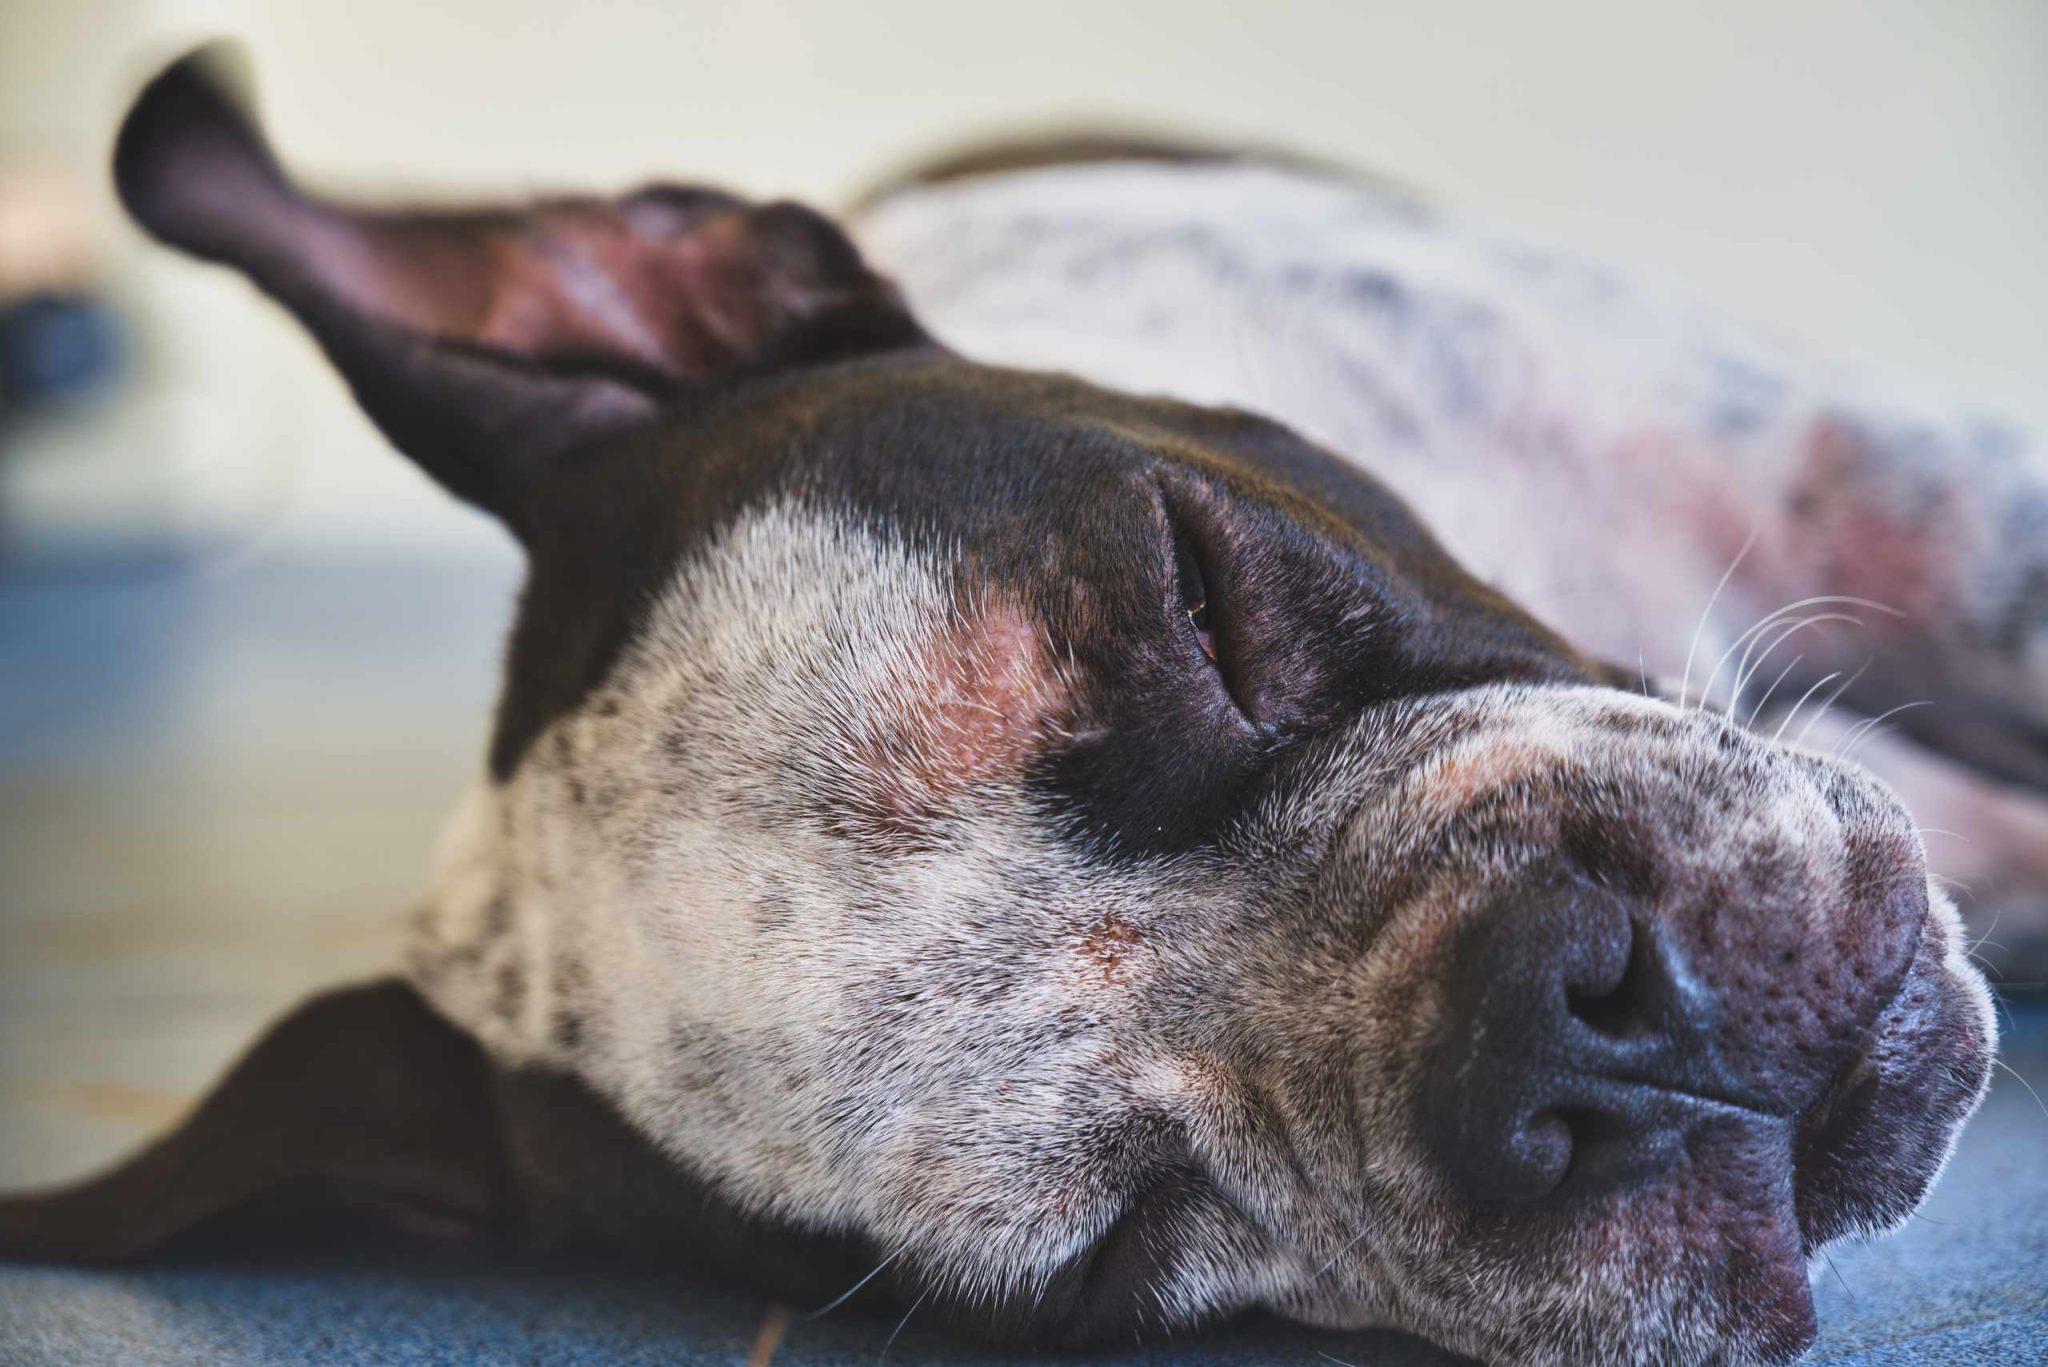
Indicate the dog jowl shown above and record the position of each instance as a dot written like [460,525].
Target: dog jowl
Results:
[1093,858]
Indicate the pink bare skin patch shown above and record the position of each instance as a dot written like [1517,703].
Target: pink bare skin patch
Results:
[1876,533]
[682,282]
[982,701]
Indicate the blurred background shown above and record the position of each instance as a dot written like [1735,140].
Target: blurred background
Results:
[246,654]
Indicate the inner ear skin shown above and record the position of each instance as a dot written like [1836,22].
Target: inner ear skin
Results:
[495,345]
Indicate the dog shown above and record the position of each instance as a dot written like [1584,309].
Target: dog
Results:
[1077,862]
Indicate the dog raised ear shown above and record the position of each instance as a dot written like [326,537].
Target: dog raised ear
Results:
[488,344]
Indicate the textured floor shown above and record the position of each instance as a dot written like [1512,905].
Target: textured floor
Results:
[218,787]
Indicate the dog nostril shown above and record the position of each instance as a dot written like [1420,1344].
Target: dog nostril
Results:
[1576,1150]
[1566,1051]
[1536,1160]
[1623,1009]
[1610,1147]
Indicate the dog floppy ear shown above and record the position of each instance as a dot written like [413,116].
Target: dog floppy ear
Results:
[364,1119]
[488,344]
[360,1112]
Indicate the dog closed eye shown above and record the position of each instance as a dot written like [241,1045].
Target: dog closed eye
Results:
[1195,605]
[1202,600]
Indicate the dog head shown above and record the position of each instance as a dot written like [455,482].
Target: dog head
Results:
[1097,851]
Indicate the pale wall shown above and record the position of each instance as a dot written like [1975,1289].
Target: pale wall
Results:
[1867,178]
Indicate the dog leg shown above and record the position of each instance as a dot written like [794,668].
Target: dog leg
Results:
[1944,524]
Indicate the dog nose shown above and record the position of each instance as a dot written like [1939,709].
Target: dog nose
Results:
[1578,1050]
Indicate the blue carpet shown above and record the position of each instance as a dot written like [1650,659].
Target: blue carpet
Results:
[1965,1282]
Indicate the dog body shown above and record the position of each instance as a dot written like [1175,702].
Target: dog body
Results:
[1097,857]
[1670,490]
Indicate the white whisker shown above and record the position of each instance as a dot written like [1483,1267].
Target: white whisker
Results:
[1832,699]
[883,1356]
[1838,1275]
[1765,700]
[1742,666]
[848,1294]
[1876,733]
[2023,1082]
[1769,619]
[1349,1244]
[1744,670]
[1864,729]
[1991,929]
[1706,612]
[1812,689]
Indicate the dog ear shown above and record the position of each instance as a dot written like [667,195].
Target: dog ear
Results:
[361,1113]
[488,344]
[363,1120]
